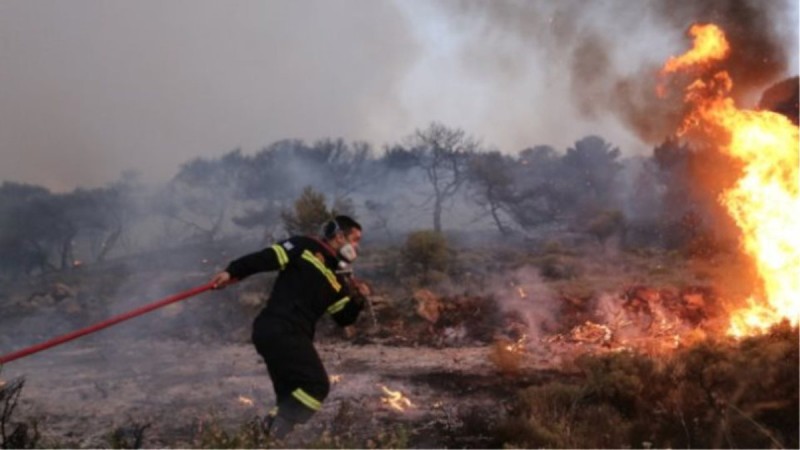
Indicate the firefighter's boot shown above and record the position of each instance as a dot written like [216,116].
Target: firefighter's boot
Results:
[276,426]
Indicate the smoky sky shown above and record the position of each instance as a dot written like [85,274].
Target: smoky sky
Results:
[91,88]
[602,57]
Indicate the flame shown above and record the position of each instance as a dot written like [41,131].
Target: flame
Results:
[521,292]
[396,399]
[517,346]
[335,378]
[709,45]
[246,401]
[764,202]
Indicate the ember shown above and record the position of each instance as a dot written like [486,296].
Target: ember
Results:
[246,401]
[396,400]
[591,332]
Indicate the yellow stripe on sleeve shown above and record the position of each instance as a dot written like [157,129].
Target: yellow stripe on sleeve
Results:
[283,258]
[338,306]
[325,271]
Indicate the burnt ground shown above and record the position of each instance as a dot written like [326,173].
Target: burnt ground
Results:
[81,392]
[185,369]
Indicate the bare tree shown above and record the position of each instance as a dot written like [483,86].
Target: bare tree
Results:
[491,184]
[346,167]
[199,196]
[536,196]
[443,154]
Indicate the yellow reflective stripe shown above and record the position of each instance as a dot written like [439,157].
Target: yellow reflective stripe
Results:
[325,271]
[306,399]
[338,306]
[283,258]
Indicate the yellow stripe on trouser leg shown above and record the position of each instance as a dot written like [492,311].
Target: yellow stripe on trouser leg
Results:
[306,399]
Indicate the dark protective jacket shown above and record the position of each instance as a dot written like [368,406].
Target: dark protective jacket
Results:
[307,286]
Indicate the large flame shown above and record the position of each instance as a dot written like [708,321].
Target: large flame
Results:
[764,201]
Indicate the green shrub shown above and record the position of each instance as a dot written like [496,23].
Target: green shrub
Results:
[310,212]
[713,394]
[605,225]
[425,254]
[557,415]
[621,380]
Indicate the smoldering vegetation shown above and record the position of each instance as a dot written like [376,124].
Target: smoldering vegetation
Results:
[578,268]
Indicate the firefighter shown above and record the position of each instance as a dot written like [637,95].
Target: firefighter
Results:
[311,282]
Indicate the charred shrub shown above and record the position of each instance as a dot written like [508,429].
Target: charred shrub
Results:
[606,224]
[212,434]
[558,267]
[130,435]
[15,434]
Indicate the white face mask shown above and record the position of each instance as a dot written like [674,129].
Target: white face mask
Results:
[348,252]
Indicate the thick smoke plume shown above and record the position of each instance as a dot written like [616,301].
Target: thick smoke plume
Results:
[613,50]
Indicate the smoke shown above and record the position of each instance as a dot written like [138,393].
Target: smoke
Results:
[522,293]
[91,88]
[607,54]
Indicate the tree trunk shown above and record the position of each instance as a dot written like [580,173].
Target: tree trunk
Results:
[66,252]
[503,230]
[109,243]
[437,215]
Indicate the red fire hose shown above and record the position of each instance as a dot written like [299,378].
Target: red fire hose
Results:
[104,324]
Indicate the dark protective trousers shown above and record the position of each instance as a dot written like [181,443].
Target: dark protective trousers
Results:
[298,376]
